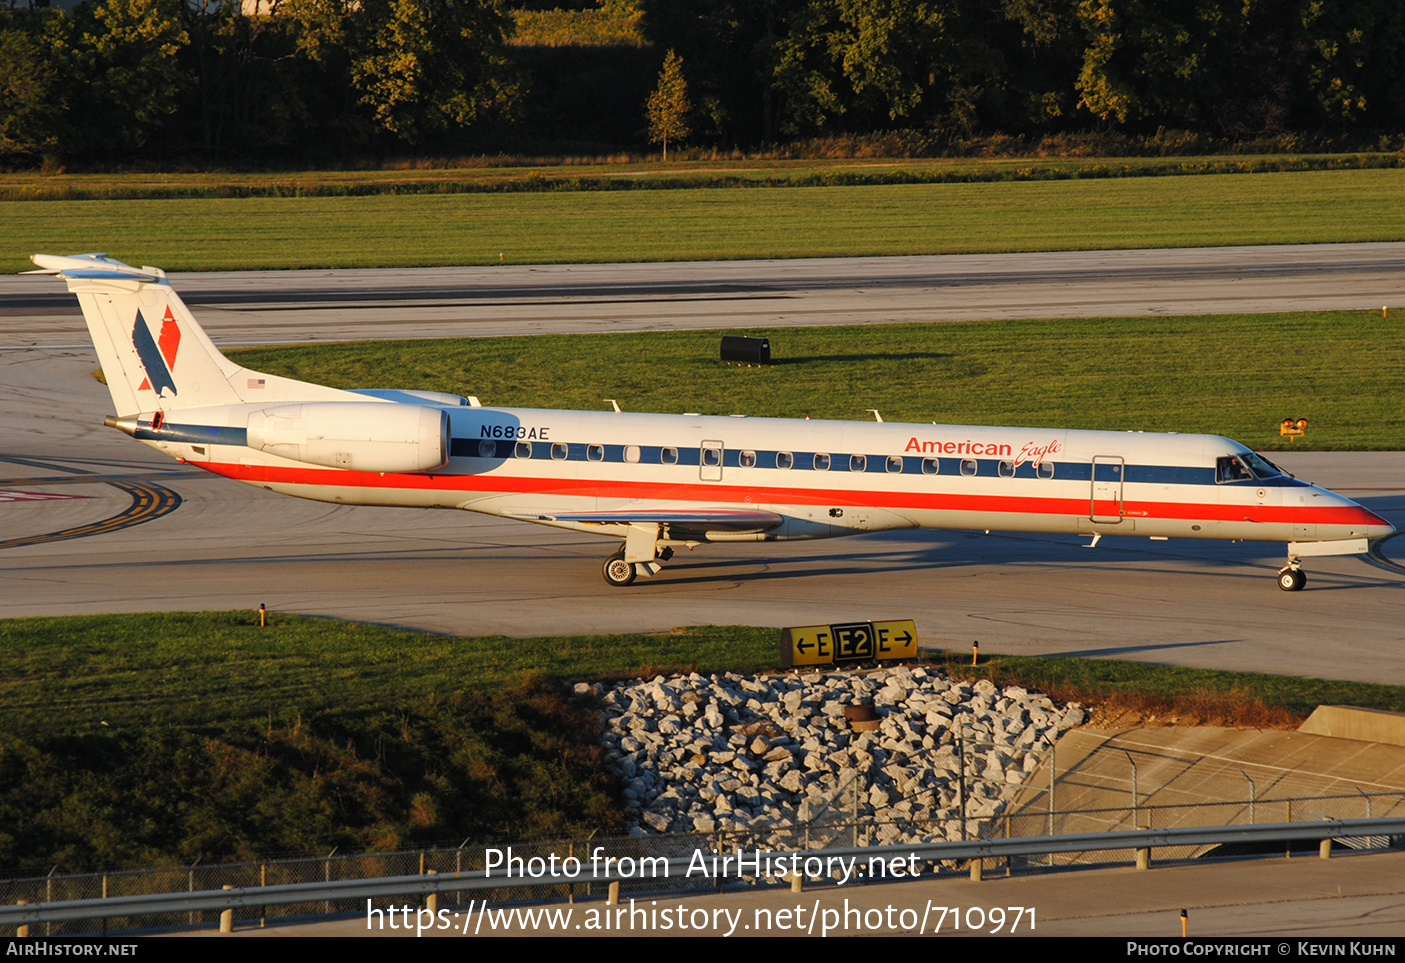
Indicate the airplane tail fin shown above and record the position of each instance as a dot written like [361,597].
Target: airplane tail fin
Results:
[154,355]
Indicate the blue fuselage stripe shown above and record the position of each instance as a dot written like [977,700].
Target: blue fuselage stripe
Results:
[476,448]
[848,462]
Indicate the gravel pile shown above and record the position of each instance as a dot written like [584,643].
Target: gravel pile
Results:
[773,757]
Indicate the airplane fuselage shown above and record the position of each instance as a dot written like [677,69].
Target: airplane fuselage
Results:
[658,481]
[823,478]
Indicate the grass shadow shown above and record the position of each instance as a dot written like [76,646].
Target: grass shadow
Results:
[881,356]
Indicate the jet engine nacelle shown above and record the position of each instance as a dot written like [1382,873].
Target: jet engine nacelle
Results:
[361,436]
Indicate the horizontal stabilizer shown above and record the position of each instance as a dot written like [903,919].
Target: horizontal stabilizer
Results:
[93,267]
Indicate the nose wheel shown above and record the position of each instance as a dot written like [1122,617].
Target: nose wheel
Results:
[1292,579]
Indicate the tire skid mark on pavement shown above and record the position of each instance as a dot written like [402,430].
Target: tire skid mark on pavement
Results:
[149,502]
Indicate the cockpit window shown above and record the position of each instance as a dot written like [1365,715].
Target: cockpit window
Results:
[1245,466]
[1231,468]
[1261,466]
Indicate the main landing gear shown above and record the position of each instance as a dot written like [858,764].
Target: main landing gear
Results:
[620,573]
[1291,578]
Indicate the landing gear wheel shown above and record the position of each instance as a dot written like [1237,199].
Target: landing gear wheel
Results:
[1292,579]
[618,572]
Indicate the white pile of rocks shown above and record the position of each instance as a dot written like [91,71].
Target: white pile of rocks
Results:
[773,757]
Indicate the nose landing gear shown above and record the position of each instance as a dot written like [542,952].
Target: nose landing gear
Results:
[1291,578]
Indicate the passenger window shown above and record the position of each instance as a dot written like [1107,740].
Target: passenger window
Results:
[895,464]
[931,466]
[784,459]
[595,452]
[487,448]
[821,462]
[858,463]
[523,450]
[631,454]
[668,456]
[1045,470]
[560,452]
[1007,469]
[968,466]
[711,457]
[747,459]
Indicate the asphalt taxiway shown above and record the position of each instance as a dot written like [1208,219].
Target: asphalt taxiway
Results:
[194,541]
[285,306]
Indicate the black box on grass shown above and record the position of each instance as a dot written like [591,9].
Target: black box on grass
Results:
[746,350]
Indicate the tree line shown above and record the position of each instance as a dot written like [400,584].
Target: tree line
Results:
[766,70]
[316,81]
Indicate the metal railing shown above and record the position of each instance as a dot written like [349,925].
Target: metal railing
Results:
[261,892]
[667,873]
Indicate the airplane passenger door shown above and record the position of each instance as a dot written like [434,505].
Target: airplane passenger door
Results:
[1108,471]
[710,461]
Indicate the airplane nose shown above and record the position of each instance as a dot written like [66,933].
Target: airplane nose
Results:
[1376,526]
[1344,518]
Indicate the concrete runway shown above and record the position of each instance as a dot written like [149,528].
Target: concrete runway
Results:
[228,546]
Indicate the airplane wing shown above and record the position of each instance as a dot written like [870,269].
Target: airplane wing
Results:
[712,520]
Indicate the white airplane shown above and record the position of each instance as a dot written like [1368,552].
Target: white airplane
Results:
[664,481]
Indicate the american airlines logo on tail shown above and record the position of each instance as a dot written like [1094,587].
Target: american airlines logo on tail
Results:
[157,357]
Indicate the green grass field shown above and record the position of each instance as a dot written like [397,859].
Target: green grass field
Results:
[578,226]
[1235,375]
[535,175]
[207,671]
[165,739]
[171,738]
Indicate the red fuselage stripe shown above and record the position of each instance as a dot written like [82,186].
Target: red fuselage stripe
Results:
[712,494]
